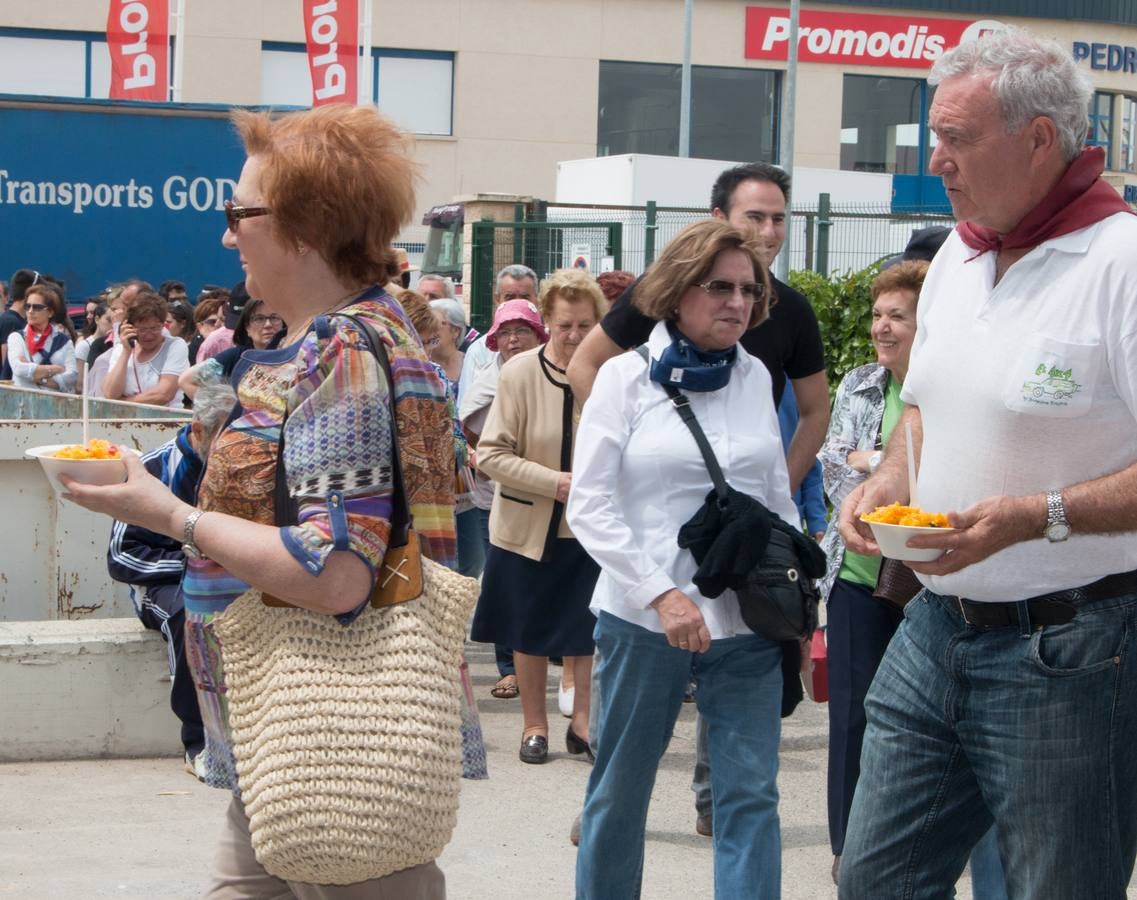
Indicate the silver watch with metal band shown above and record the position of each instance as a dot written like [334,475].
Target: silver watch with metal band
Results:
[1057,528]
[189,548]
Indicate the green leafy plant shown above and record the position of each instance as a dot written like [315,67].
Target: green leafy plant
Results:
[843,305]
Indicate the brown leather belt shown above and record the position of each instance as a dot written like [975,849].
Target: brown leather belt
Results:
[1048,609]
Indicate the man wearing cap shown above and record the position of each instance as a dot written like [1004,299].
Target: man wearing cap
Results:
[1009,692]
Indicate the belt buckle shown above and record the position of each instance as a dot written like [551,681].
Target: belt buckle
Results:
[962,611]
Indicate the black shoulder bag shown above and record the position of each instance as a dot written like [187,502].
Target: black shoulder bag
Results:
[777,596]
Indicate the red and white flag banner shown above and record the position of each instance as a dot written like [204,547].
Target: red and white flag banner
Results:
[331,28]
[138,36]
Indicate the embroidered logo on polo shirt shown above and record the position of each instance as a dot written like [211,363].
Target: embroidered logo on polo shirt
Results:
[1051,387]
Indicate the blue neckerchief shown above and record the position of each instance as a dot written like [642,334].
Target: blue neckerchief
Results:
[49,350]
[685,366]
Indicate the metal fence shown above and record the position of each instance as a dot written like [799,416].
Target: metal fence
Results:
[847,237]
[826,238]
[544,246]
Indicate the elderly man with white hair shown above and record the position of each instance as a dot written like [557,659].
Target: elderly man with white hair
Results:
[1009,693]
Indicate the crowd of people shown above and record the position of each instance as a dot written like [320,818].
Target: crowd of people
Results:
[133,342]
[987,713]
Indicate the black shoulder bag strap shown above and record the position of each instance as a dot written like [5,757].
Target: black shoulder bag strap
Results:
[286,510]
[683,407]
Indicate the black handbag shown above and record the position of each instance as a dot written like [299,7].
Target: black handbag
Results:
[777,596]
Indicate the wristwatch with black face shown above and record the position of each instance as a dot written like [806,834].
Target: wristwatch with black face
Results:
[1057,528]
[189,548]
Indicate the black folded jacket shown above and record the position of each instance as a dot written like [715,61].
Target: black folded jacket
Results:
[728,539]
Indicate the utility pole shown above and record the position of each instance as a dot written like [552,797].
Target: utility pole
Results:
[685,84]
[786,150]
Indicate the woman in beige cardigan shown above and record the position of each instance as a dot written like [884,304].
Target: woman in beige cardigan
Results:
[538,580]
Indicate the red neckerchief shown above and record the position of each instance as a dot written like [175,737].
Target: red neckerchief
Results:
[36,342]
[1080,198]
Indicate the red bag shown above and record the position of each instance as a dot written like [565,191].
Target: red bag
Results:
[815,667]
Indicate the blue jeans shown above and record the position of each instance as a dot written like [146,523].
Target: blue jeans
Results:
[641,681]
[1033,727]
[471,543]
[987,882]
[858,629]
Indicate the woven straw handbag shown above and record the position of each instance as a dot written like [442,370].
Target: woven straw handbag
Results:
[347,738]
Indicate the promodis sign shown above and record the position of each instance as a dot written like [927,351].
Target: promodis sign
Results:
[870,40]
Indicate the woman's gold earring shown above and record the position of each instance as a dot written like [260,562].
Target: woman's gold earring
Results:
[301,249]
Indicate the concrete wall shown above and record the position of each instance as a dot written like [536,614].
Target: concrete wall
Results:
[79,690]
[53,553]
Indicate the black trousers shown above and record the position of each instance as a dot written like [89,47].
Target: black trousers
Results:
[164,611]
[858,629]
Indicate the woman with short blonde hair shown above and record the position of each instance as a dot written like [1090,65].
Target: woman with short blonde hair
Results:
[538,580]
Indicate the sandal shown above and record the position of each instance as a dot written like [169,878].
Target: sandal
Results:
[506,688]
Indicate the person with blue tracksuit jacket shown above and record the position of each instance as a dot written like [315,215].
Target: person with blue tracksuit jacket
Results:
[152,564]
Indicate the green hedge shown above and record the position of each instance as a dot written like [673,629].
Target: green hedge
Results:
[843,304]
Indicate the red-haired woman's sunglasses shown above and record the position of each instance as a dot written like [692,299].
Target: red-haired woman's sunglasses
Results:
[234,214]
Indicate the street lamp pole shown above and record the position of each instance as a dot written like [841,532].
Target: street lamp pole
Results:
[786,150]
[685,84]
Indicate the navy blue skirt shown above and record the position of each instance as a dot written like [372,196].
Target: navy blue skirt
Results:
[539,608]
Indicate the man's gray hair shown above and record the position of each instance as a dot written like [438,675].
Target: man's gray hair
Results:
[452,309]
[445,280]
[212,404]
[1031,77]
[516,271]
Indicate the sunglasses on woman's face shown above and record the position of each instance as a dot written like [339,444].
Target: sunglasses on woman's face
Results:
[234,214]
[37,307]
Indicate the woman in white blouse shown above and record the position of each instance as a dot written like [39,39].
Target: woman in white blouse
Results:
[639,476]
[42,354]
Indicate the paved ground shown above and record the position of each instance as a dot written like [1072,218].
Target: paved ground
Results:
[144,828]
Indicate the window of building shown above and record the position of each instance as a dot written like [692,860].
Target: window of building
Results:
[1128,149]
[413,87]
[733,111]
[54,63]
[1101,125]
[882,125]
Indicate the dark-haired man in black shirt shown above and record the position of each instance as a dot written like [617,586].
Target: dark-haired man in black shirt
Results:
[753,198]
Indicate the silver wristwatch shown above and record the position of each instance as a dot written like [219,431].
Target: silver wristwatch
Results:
[1057,528]
[189,548]
[874,461]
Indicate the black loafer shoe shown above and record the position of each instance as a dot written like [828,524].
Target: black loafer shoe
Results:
[534,749]
[576,745]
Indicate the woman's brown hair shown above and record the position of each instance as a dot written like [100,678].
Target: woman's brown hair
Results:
[419,312]
[903,276]
[686,261]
